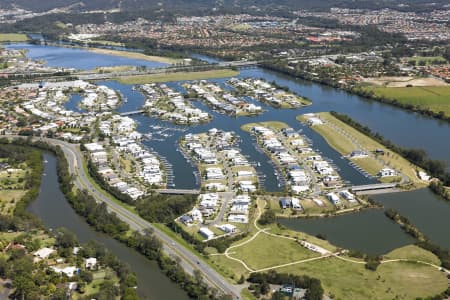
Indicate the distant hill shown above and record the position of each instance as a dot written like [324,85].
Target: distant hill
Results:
[247,5]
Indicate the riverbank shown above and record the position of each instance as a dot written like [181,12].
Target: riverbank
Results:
[428,100]
[26,232]
[356,90]
[177,76]
[368,154]
[135,55]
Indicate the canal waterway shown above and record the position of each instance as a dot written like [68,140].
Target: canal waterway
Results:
[52,208]
[403,128]
[368,231]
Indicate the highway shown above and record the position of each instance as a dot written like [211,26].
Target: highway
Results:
[188,260]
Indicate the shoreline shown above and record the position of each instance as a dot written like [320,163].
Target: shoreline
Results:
[359,92]
[134,55]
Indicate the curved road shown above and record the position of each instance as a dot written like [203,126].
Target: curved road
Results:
[188,260]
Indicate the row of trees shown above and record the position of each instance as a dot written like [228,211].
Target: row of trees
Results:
[438,188]
[164,208]
[147,244]
[418,157]
[313,285]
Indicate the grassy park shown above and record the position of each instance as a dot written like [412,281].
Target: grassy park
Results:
[13,37]
[396,280]
[177,76]
[342,277]
[434,98]
[255,253]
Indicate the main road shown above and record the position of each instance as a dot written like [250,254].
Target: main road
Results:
[189,261]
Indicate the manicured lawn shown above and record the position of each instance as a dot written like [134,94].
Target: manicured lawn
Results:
[13,37]
[272,124]
[344,145]
[267,251]
[414,253]
[435,98]
[178,76]
[346,280]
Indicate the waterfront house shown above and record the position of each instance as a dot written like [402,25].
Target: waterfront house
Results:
[347,196]
[385,172]
[333,198]
[285,203]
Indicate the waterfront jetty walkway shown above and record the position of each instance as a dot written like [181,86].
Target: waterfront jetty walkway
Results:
[178,191]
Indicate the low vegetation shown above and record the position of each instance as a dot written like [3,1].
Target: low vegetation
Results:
[177,76]
[428,100]
[13,37]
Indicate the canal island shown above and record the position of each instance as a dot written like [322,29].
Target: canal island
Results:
[250,182]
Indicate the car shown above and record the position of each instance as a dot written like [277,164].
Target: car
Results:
[198,262]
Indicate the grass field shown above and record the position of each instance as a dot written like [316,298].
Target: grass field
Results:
[268,251]
[13,37]
[414,253]
[434,98]
[177,76]
[344,145]
[135,55]
[346,280]
[340,279]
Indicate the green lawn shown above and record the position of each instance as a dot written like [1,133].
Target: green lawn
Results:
[268,251]
[346,280]
[435,98]
[414,253]
[13,37]
[177,76]
[271,124]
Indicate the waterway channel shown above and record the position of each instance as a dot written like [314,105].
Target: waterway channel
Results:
[53,209]
[403,128]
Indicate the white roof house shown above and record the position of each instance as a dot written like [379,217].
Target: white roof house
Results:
[206,232]
[44,253]
[90,263]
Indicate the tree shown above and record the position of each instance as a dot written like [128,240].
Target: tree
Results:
[65,238]
[108,291]
[268,217]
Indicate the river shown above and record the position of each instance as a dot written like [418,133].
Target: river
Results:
[404,128]
[53,209]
